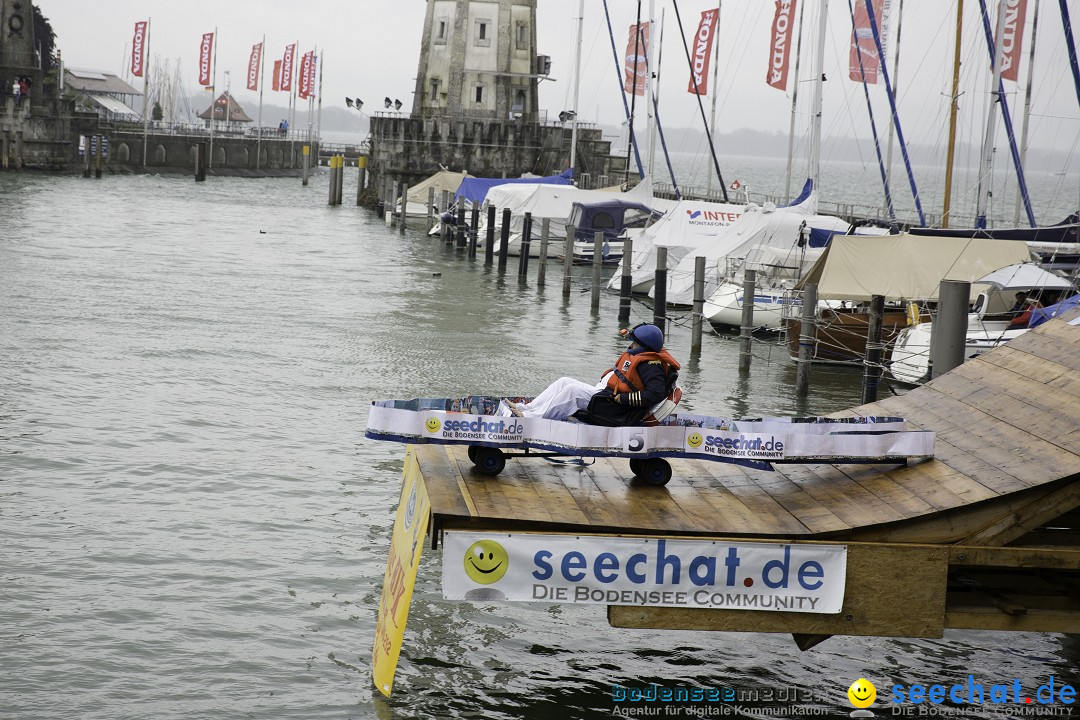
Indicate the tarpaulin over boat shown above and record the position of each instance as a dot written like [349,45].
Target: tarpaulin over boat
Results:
[555,202]
[475,190]
[447,180]
[905,267]
[1041,315]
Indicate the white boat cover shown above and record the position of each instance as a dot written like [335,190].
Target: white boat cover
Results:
[906,267]
[759,228]
[685,226]
[443,180]
[1025,276]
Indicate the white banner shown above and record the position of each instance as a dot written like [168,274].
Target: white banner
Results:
[652,572]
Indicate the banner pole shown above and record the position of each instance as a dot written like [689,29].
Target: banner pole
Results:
[258,129]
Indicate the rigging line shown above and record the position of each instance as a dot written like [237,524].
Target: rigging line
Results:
[1007,117]
[633,88]
[892,105]
[622,94]
[701,105]
[660,131]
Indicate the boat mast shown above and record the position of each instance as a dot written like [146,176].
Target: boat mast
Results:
[895,76]
[794,101]
[819,69]
[715,89]
[633,93]
[982,198]
[577,88]
[650,86]
[953,109]
[1027,107]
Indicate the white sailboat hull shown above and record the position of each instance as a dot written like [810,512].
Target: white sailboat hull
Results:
[725,306]
[910,359]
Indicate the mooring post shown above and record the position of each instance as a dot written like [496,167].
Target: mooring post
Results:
[660,289]
[307,161]
[474,227]
[948,332]
[524,247]
[86,157]
[340,178]
[361,176]
[489,241]
[100,153]
[746,330]
[404,207]
[430,206]
[504,239]
[699,305]
[806,340]
[568,259]
[333,180]
[391,198]
[874,350]
[626,282]
[597,260]
[460,231]
[445,207]
[200,163]
[4,152]
[541,270]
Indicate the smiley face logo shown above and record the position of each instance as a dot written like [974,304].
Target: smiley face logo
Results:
[694,440]
[485,562]
[433,424]
[862,693]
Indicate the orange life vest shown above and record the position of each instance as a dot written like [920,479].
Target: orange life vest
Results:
[625,377]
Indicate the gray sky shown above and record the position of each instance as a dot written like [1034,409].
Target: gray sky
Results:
[371,48]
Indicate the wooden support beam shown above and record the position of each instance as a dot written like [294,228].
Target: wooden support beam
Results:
[1028,517]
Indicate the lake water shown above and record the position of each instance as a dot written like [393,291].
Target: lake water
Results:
[193,526]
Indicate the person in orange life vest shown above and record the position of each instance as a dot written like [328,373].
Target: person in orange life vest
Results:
[1023,307]
[626,393]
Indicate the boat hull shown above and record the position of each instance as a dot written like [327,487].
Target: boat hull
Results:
[840,334]
[725,307]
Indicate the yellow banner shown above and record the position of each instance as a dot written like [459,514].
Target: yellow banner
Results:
[406,544]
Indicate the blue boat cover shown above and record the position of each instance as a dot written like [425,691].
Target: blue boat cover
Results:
[1041,315]
[476,189]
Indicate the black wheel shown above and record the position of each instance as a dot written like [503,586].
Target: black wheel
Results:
[636,466]
[655,472]
[489,461]
[473,449]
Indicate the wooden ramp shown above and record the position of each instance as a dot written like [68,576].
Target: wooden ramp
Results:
[1006,472]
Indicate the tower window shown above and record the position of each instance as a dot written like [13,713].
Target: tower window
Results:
[434,90]
[521,36]
[483,33]
[440,32]
[479,93]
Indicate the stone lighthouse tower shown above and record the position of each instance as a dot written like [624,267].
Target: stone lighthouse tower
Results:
[478,60]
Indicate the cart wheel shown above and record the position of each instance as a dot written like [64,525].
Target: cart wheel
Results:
[655,472]
[635,466]
[490,461]
[473,449]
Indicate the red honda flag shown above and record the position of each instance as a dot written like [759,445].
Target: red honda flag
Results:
[635,70]
[1012,38]
[254,64]
[275,84]
[287,67]
[138,49]
[862,41]
[703,42]
[206,53]
[304,88]
[780,45]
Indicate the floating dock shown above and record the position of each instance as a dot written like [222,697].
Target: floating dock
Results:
[984,536]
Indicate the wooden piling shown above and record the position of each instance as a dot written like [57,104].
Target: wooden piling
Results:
[200,162]
[806,340]
[430,206]
[340,178]
[332,185]
[391,196]
[660,289]
[307,162]
[504,239]
[489,241]
[460,230]
[597,263]
[4,153]
[626,282]
[568,259]
[874,350]
[474,232]
[746,330]
[699,306]
[948,332]
[523,247]
[404,208]
[100,153]
[19,155]
[444,206]
[541,270]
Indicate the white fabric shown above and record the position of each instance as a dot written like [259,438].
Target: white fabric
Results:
[1024,276]
[562,398]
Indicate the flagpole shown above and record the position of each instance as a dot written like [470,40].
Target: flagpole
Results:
[146,90]
[292,102]
[318,121]
[715,89]
[258,129]
[213,104]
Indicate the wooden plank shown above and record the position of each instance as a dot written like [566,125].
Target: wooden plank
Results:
[589,498]
[1014,557]
[1038,369]
[884,486]
[979,618]
[795,500]
[1050,349]
[876,576]
[847,499]
[1028,517]
[441,480]
[639,504]
[686,492]
[553,494]
[1011,384]
[770,517]
[730,514]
